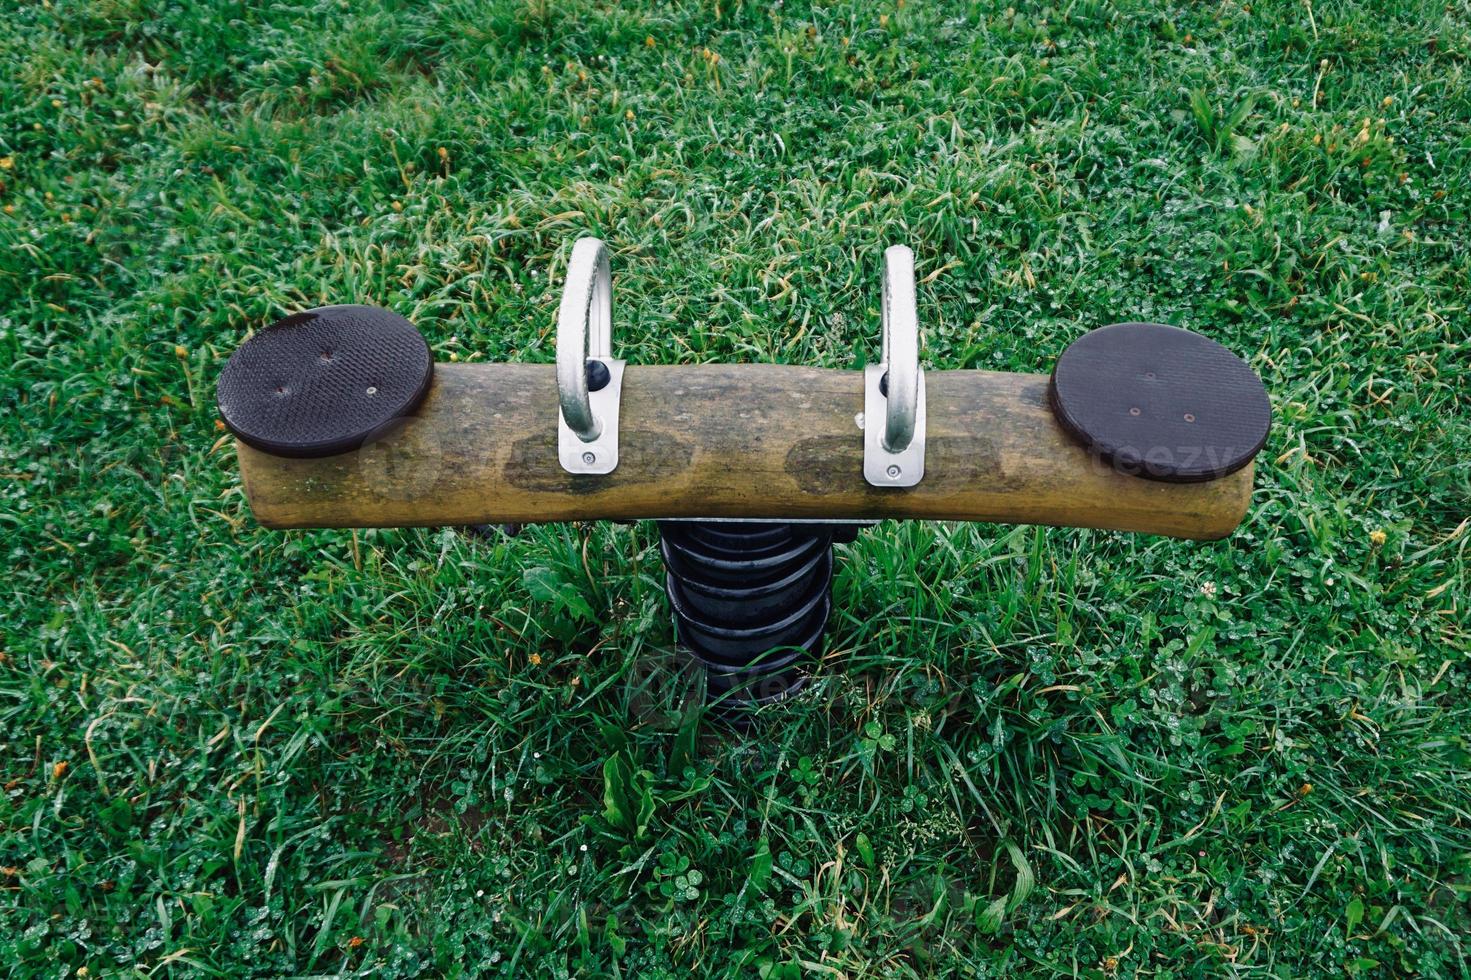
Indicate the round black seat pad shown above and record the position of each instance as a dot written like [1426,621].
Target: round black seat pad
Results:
[1160,402]
[324,381]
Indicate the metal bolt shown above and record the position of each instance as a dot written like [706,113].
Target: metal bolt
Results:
[893,472]
[598,375]
[589,458]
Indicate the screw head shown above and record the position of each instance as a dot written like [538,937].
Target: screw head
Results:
[893,472]
[589,458]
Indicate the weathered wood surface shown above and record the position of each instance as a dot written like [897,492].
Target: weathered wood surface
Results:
[747,440]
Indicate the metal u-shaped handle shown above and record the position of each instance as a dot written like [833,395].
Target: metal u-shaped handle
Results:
[901,348]
[587,423]
[584,332]
[893,455]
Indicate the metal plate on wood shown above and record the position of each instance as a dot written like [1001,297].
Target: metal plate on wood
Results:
[882,468]
[601,454]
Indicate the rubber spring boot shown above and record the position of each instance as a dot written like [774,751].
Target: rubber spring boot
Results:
[751,603]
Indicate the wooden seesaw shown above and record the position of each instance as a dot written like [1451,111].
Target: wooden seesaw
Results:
[343,420]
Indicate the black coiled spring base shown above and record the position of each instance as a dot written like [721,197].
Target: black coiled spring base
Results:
[751,602]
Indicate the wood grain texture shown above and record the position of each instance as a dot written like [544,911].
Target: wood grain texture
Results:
[745,440]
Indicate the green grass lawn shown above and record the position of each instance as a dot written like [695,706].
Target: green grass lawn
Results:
[229,751]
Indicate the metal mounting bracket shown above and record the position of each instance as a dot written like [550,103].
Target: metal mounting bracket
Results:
[587,415]
[893,451]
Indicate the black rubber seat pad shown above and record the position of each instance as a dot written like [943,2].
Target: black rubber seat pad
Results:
[1159,402]
[324,381]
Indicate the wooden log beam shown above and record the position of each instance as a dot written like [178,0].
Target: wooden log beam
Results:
[738,441]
